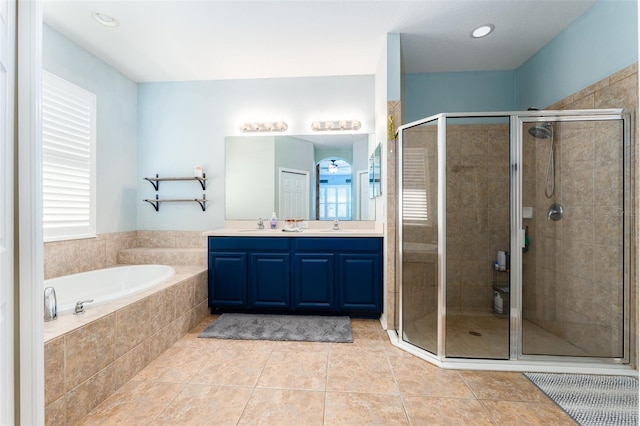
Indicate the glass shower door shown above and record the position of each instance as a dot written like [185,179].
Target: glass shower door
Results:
[477,291]
[573,204]
[418,175]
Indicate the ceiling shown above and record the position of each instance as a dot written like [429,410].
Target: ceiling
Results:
[179,40]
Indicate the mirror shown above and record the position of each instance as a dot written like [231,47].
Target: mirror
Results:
[290,174]
[375,187]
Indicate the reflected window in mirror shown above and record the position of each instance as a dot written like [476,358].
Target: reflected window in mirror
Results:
[334,189]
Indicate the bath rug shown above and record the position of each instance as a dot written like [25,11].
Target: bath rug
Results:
[302,328]
[592,399]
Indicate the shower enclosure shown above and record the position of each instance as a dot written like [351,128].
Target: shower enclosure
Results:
[514,239]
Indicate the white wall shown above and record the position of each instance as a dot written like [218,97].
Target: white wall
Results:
[116,142]
[183,124]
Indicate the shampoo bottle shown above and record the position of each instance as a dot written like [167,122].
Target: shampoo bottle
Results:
[274,220]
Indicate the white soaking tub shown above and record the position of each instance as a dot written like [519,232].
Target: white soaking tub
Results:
[106,285]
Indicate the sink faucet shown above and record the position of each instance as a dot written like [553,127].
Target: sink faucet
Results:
[336,224]
[80,306]
[260,223]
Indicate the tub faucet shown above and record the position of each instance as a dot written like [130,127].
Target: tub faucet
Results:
[50,304]
[80,306]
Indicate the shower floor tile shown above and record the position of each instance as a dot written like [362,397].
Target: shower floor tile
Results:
[483,335]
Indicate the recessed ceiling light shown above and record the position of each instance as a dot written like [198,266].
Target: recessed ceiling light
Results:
[482,31]
[105,19]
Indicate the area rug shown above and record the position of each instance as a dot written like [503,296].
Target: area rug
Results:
[592,399]
[305,328]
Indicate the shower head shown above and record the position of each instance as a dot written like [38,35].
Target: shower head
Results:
[543,131]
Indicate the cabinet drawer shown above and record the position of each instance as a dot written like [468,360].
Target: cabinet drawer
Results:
[249,243]
[337,244]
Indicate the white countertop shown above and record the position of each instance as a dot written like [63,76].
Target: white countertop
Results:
[314,229]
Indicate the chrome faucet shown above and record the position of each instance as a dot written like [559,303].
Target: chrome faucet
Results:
[80,306]
[260,223]
[336,224]
[50,304]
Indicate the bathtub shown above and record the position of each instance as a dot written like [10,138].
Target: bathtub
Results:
[106,285]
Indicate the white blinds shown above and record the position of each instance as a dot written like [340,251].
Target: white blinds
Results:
[415,205]
[68,170]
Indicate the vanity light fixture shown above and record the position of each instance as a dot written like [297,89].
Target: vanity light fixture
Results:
[335,125]
[482,31]
[105,19]
[269,126]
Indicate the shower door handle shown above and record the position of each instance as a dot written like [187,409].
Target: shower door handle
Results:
[522,237]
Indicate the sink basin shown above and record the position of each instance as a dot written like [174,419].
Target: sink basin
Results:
[336,230]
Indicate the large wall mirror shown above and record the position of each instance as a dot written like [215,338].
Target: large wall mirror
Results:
[313,177]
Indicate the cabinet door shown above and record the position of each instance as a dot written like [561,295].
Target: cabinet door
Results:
[360,282]
[228,279]
[313,281]
[269,280]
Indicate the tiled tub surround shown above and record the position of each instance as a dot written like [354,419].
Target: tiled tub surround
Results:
[88,357]
[133,247]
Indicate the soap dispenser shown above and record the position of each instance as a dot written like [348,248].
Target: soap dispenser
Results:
[274,221]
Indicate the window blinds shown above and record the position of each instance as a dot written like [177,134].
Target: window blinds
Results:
[415,205]
[68,169]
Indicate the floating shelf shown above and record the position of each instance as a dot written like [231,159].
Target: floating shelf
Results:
[156,180]
[156,202]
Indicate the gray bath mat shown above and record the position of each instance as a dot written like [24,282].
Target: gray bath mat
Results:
[309,328]
[592,399]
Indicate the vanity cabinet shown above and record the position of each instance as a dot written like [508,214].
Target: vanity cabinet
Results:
[248,272]
[296,274]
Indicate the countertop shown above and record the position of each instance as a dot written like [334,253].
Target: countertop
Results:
[315,229]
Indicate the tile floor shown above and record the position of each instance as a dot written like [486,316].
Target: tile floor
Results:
[367,382]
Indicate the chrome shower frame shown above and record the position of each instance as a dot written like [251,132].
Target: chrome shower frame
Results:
[517,361]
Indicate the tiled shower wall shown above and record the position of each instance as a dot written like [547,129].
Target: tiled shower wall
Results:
[576,290]
[73,256]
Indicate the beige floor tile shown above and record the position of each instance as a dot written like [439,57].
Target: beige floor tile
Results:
[446,411]
[136,403]
[206,405]
[232,367]
[502,386]
[216,381]
[365,372]
[284,407]
[345,408]
[418,377]
[295,370]
[302,346]
[526,413]
[178,364]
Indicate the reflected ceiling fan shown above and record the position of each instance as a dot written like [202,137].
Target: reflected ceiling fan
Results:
[334,166]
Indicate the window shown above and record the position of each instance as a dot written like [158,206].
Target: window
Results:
[415,195]
[335,201]
[68,155]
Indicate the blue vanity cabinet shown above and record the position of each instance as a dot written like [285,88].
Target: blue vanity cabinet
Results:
[341,275]
[228,279]
[338,274]
[313,281]
[249,273]
[357,274]
[269,280]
